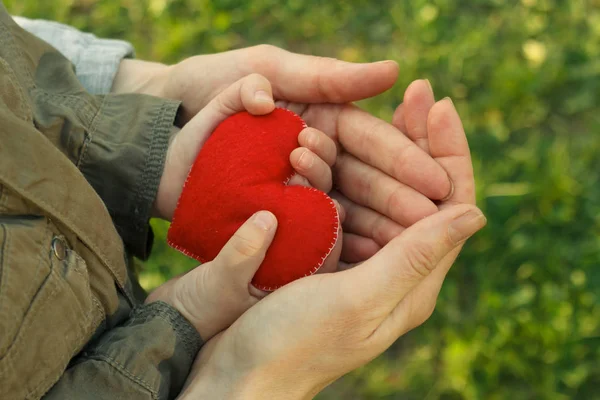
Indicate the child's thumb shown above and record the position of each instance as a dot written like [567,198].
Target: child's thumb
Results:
[253,93]
[243,254]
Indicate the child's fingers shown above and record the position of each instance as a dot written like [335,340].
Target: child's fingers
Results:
[245,251]
[330,264]
[313,160]
[216,293]
[299,180]
[313,169]
[319,143]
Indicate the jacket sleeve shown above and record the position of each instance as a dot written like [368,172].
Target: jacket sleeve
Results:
[147,357]
[69,327]
[96,60]
[123,159]
[123,151]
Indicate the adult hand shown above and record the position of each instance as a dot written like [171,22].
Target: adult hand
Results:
[296,341]
[295,77]
[384,180]
[301,338]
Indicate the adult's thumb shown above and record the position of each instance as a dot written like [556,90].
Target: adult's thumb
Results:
[243,254]
[409,258]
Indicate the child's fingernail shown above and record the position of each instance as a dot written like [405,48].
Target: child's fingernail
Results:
[264,220]
[306,160]
[263,97]
[465,225]
[312,139]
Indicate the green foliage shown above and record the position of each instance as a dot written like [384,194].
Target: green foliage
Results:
[519,316]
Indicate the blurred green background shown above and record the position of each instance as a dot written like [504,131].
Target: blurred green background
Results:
[519,316]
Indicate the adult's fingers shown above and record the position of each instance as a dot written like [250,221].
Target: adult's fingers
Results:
[422,256]
[411,257]
[368,186]
[295,77]
[366,222]
[449,147]
[379,144]
[356,248]
[310,79]
[418,100]
[398,119]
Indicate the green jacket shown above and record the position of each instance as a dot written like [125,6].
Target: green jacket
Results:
[78,176]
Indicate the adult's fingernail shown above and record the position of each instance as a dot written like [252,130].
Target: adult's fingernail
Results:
[263,96]
[465,225]
[264,220]
[429,84]
[451,192]
[449,100]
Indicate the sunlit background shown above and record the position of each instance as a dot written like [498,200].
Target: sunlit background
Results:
[519,316]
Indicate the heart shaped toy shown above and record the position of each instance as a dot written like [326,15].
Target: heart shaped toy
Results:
[243,168]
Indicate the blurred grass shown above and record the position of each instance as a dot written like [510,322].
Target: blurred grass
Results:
[519,316]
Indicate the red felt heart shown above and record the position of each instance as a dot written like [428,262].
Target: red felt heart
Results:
[242,168]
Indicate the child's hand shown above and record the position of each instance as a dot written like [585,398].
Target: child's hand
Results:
[253,93]
[313,161]
[215,294]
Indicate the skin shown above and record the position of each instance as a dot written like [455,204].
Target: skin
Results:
[393,186]
[253,94]
[213,295]
[323,326]
[408,192]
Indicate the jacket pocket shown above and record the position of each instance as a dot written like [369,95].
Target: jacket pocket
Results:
[47,310]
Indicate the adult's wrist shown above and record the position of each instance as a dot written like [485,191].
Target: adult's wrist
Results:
[218,374]
[254,385]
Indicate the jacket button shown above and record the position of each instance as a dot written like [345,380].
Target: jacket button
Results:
[59,247]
